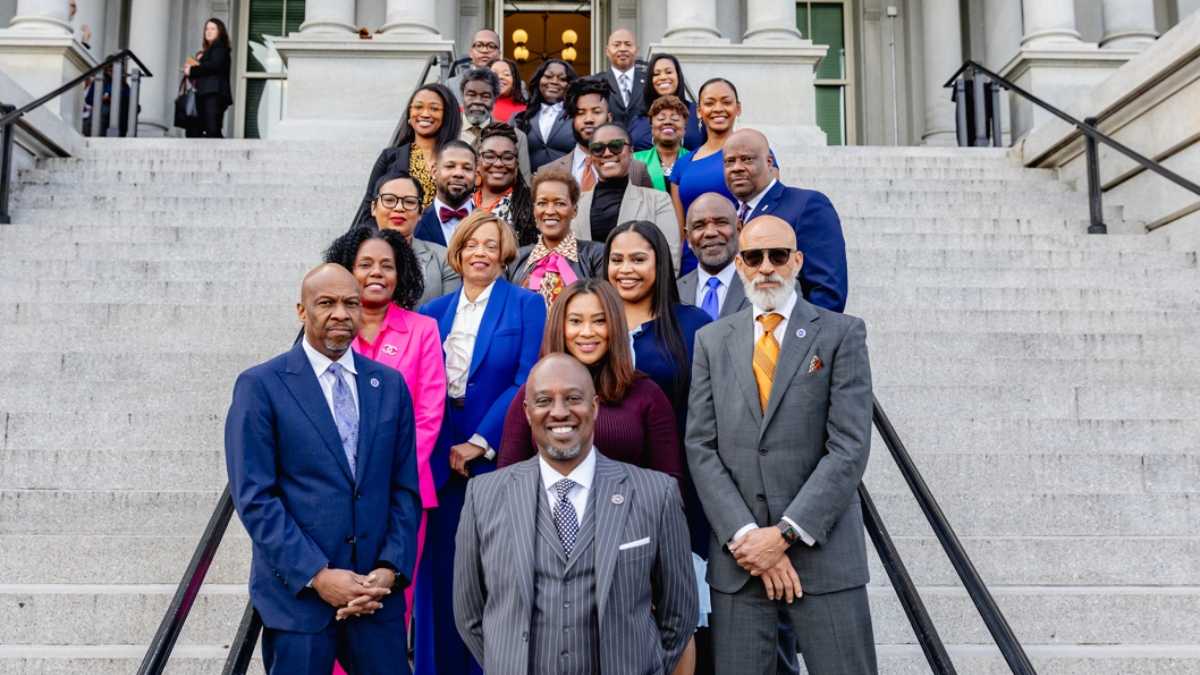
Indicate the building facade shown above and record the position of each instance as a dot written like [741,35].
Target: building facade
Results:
[854,72]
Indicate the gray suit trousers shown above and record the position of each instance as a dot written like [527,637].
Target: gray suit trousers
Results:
[833,631]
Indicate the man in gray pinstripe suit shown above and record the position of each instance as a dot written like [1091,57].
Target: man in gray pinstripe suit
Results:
[779,429]
[570,563]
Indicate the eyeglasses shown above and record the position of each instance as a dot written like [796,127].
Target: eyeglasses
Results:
[485,46]
[778,256]
[506,159]
[615,145]
[388,201]
[419,108]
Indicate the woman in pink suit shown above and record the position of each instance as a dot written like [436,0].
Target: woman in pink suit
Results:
[392,281]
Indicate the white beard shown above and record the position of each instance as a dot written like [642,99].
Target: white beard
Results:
[766,298]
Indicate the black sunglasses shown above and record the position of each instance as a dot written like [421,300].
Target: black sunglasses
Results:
[778,256]
[615,145]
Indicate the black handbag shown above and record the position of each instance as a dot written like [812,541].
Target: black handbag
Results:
[186,114]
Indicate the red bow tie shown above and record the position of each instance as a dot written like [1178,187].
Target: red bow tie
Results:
[447,215]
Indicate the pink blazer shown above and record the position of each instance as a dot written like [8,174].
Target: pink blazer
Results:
[410,343]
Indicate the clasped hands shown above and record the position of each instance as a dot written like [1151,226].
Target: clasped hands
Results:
[354,594]
[463,453]
[763,553]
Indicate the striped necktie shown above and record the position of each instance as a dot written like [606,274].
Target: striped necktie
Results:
[766,353]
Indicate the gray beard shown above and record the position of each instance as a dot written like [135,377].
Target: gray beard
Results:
[335,347]
[563,455]
[477,118]
[766,299]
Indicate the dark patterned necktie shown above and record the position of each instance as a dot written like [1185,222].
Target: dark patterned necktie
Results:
[565,519]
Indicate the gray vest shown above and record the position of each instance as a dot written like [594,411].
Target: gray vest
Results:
[565,633]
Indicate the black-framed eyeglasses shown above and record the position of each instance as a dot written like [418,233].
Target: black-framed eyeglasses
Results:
[778,256]
[503,159]
[485,46]
[616,146]
[389,201]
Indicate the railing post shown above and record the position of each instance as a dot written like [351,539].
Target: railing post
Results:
[960,101]
[1095,202]
[981,127]
[97,103]
[135,92]
[444,64]
[114,106]
[6,140]
[997,115]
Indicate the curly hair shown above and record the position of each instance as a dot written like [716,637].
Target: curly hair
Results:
[483,74]
[522,199]
[668,102]
[410,277]
[518,92]
[616,374]
[580,88]
[525,118]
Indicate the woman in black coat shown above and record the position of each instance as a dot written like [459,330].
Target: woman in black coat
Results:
[211,77]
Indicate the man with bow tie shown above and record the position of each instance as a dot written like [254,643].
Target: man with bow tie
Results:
[321,454]
[779,431]
[454,177]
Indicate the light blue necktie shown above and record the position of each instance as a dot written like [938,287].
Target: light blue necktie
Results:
[346,416]
[711,303]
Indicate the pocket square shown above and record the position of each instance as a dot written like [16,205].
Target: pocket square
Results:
[634,544]
[815,364]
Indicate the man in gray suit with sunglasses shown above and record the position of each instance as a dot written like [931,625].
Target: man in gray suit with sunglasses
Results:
[779,430]
[570,562]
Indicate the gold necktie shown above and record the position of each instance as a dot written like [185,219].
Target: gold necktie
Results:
[766,353]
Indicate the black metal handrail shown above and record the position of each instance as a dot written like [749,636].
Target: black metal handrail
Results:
[997,625]
[11,114]
[1087,127]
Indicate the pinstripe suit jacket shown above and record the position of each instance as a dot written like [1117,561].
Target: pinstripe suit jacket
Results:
[803,458]
[646,600]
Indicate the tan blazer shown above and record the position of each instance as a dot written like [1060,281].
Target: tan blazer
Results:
[639,204]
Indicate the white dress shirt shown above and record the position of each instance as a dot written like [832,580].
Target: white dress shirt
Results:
[582,475]
[579,159]
[448,227]
[753,202]
[460,349]
[320,364]
[725,276]
[780,334]
[547,116]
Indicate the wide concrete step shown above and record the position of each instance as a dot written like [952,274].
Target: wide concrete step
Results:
[1015,344]
[899,369]
[964,297]
[1029,277]
[999,320]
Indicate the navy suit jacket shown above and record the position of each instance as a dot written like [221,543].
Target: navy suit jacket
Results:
[429,228]
[292,486]
[818,229]
[506,348]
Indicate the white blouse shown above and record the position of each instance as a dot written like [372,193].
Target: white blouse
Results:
[460,344]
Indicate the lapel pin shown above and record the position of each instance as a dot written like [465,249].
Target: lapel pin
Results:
[618,499]
[800,333]
[374,382]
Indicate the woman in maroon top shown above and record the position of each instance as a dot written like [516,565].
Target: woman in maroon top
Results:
[636,423]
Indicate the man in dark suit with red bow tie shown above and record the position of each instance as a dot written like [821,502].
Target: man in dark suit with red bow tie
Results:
[454,176]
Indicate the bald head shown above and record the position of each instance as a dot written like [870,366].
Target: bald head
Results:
[561,406]
[769,261]
[712,231]
[330,308]
[622,49]
[747,157]
[485,47]
[767,232]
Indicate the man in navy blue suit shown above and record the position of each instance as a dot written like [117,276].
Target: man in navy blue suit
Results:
[454,177]
[810,213]
[320,450]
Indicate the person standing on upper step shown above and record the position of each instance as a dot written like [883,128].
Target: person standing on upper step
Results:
[454,177]
[587,107]
[480,90]
[320,449]
[485,48]
[211,76]
[778,437]
[625,81]
[823,279]
[543,121]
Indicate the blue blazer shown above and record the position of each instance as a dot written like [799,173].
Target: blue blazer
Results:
[508,344]
[293,490]
[823,278]
[429,228]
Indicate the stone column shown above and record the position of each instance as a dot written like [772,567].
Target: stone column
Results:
[771,21]
[692,21]
[1002,41]
[941,33]
[330,16]
[411,19]
[47,17]
[149,38]
[39,52]
[1049,23]
[1128,24]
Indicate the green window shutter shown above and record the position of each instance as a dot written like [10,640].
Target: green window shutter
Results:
[802,18]
[266,18]
[829,28]
[830,113]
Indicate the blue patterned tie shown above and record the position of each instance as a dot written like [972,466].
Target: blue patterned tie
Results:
[346,416]
[565,519]
[712,303]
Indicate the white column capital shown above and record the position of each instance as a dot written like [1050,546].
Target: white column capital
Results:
[692,21]
[1128,24]
[771,21]
[44,17]
[1050,23]
[329,16]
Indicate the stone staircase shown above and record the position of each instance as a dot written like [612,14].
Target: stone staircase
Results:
[1046,382]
